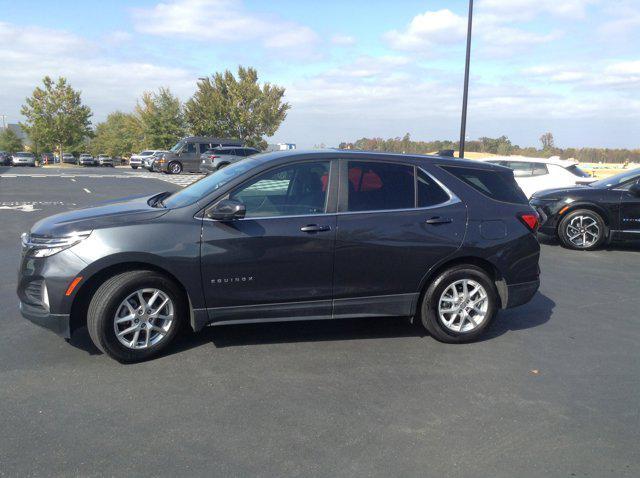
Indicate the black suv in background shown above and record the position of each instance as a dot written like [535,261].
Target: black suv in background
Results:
[587,217]
[185,155]
[288,236]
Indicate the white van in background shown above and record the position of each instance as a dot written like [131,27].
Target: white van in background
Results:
[536,174]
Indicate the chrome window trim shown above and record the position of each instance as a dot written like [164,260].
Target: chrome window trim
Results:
[453,199]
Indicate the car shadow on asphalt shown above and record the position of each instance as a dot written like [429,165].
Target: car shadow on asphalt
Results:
[534,314]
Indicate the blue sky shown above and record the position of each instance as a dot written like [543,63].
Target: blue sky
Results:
[351,68]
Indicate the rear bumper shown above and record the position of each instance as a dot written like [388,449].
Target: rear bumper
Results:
[58,323]
[519,294]
[207,168]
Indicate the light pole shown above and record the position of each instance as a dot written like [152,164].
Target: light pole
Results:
[465,94]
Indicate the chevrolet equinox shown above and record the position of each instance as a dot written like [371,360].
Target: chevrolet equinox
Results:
[288,236]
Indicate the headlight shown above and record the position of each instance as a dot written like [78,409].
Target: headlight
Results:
[39,246]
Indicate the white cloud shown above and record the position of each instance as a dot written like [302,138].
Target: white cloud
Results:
[427,29]
[225,21]
[600,77]
[29,53]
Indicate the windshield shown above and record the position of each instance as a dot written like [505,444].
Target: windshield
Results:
[177,147]
[23,155]
[208,184]
[576,171]
[617,179]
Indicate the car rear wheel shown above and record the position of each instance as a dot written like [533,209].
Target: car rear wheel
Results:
[582,229]
[459,304]
[174,167]
[134,167]
[133,316]
[223,165]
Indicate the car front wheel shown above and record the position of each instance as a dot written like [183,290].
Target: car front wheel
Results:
[582,229]
[175,167]
[459,304]
[133,316]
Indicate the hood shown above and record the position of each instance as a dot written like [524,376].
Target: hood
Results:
[106,214]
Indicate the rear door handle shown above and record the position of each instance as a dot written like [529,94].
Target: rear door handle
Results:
[315,228]
[439,220]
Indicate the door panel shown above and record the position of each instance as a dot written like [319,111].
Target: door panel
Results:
[260,261]
[276,262]
[629,216]
[388,252]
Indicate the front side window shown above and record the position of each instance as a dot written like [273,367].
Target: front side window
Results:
[298,189]
[375,186]
[189,148]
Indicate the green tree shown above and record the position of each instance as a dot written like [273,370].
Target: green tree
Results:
[226,106]
[56,116]
[119,135]
[161,119]
[9,141]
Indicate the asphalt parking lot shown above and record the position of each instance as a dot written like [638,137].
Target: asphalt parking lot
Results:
[552,390]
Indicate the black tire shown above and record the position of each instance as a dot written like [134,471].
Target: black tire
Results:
[134,167]
[106,300]
[565,228]
[429,310]
[223,165]
[174,167]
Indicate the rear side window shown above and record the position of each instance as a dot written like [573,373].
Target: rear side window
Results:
[375,186]
[496,185]
[429,192]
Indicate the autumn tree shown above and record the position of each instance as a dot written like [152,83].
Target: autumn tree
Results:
[237,107]
[547,142]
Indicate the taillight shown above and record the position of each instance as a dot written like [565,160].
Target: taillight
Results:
[531,220]
[213,156]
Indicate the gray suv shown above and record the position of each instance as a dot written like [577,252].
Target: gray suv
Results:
[185,155]
[218,158]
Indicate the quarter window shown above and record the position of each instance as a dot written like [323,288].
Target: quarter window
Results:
[299,189]
[380,186]
[429,192]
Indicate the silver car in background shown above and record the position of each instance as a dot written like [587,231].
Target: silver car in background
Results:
[218,158]
[104,160]
[147,162]
[86,159]
[23,158]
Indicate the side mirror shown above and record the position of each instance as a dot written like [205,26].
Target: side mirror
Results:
[635,189]
[227,210]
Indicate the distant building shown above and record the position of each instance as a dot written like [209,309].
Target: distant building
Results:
[19,132]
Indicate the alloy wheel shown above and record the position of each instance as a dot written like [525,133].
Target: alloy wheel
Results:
[463,306]
[143,319]
[583,231]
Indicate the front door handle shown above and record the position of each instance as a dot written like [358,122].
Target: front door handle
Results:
[439,220]
[315,228]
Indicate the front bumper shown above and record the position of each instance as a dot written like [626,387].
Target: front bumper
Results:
[58,323]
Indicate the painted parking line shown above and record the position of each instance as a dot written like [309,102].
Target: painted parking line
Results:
[86,191]
[181,180]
